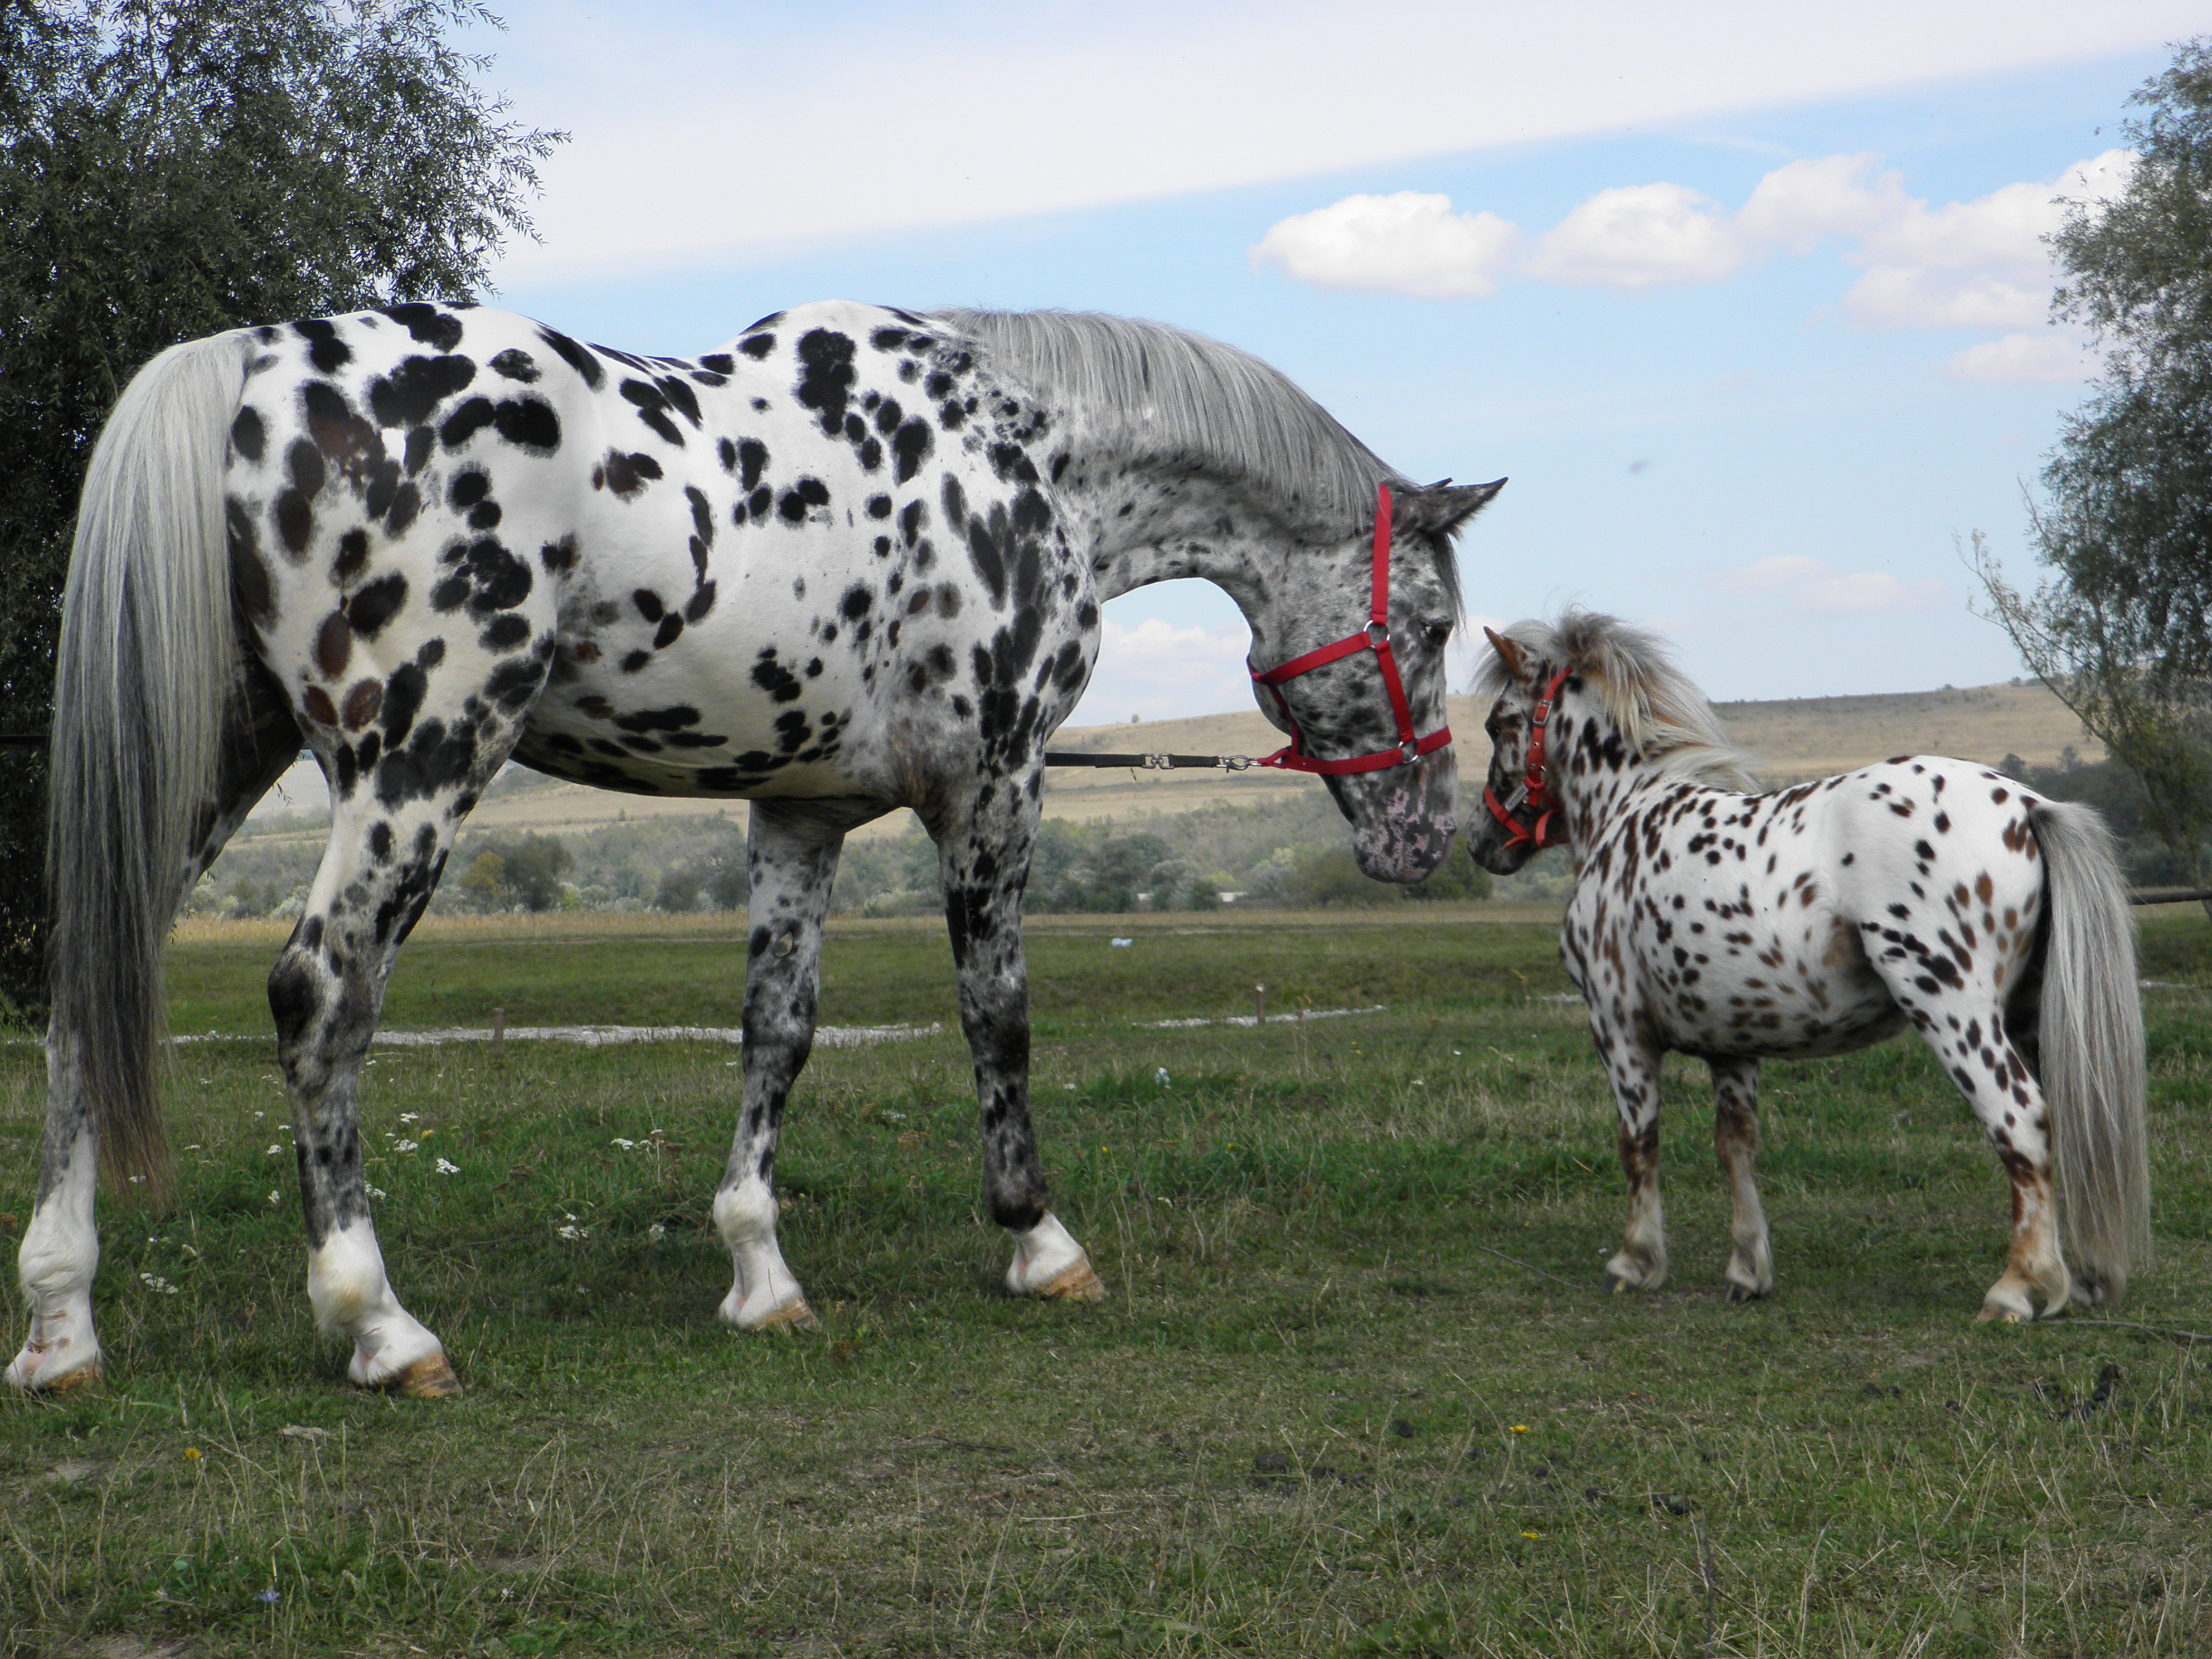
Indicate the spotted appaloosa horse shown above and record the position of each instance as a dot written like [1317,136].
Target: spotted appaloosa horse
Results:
[1821,919]
[850,562]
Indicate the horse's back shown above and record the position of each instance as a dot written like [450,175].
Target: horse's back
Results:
[761,570]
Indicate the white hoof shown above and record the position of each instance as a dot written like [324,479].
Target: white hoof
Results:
[765,1312]
[1048,1262]
[55,1367]
[1630,1273]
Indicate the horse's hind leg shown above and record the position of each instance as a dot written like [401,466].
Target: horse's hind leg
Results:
[326,992]
[1735,1139]
[792,861]
[61,1247]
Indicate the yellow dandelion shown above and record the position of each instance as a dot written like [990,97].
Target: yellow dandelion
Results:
[191,1454]
[1532,1534]
[1520,1428]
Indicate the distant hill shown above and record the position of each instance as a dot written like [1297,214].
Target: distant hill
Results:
[1801,737]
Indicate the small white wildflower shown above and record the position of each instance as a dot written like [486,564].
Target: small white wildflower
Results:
[1161,1077]
[445,1168]
[405,1145]
[159,1285]
[273,1150]
[655,1233]
[625,1144]
[410,1117]
[572,1232]
[261,1114]
[378,1192]
[135,1180]
[194,1147]
[1420,1083]
[273,1199]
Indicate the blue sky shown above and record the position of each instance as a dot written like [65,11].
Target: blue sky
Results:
[1746,301]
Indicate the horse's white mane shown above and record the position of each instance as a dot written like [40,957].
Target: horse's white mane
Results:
[1659,713]
[1181,396]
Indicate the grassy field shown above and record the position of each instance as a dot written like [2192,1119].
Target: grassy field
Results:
[1358,1390]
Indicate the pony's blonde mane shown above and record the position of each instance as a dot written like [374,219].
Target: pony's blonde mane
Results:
[1659,715]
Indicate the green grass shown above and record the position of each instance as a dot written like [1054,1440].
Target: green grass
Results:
[1357,1392]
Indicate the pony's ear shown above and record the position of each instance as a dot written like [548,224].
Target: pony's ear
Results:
[1440,509]
[1509,653]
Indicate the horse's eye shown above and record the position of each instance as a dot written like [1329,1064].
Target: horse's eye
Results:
[1438,630]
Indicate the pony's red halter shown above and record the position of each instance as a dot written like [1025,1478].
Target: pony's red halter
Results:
[1534,797]
[1376,637]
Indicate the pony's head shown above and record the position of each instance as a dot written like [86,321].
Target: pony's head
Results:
[1363,705]
[1587,691]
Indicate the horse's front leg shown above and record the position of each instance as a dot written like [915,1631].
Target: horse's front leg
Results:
[794,866]
[986,868]
[1735,1139]
[1632,1066]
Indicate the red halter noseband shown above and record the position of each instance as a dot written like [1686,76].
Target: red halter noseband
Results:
[1534,796]
[1375,636]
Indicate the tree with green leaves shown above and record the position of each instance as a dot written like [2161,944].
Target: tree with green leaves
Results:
[2123,629]
[170,168]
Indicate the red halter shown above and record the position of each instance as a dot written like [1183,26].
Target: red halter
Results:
[1534,796]
[1375,636]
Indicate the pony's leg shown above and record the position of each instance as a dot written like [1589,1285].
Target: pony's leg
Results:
[61,1247]
[1633,1069]
[1735,1139]
[986,866]
[1965,1024]
[794,865]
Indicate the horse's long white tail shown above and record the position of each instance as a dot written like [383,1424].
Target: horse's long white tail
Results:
[2092,1042]
[147,657]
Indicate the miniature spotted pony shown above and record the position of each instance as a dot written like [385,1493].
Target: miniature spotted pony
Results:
[852,561]
[1812,920]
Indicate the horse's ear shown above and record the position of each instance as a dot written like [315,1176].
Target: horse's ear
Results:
[1441,509]
[1510,654]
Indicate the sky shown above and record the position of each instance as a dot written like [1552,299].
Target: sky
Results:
[1748,302]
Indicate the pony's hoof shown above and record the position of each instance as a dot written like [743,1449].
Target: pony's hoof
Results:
[1745,1292]
[1989,1314]
[1074,1282]
[429,1377]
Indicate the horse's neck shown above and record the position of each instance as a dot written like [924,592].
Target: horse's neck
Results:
[1149,527]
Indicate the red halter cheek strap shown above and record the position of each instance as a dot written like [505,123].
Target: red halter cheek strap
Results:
[1534,797]
[1375,637]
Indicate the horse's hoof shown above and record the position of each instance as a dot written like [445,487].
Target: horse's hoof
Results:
[429,1378]
[2007,1316]
[1073,1283]
[792,1317]
[1745,1293]
[84,1376]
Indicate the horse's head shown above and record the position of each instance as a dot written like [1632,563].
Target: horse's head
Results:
[1521,814]
[1364,705]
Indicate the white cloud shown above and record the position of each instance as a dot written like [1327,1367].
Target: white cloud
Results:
[1914,296]
[1406,243]
[2025,360]
[1811,585]
[1798,205]
[1642,236]
[995,110]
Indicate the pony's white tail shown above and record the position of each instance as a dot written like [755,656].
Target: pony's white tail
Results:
[2091,1037]
[147,657]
